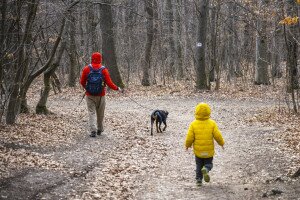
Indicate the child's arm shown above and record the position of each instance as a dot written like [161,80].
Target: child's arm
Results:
[189,137]
[218,136]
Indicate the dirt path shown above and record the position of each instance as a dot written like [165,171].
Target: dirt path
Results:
[127,163]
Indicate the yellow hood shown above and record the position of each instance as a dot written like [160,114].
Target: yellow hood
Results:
[202,111]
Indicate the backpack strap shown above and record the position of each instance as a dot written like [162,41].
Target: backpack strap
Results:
[101,69]
[92,69]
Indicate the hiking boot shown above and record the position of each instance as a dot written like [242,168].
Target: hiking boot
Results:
[99,132]
[205,174]
[199,183]
[93,134]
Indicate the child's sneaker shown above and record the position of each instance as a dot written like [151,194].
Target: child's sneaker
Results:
[205,174]
[199,183]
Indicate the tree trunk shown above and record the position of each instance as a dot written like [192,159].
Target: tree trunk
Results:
[41,107]
[55,82]
[214,34]
[21,65]
[170,25]
[34,75]
[92,32]
[108,39]
[261,66]
[247,43]
[147,59]
[180,71]
[73,72]
[231,52]
[189,54]
[201,81]
[292,52]
[276,70]
[2,36]
[128,39]
[2,55]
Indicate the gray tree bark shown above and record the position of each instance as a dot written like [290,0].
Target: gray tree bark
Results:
[108,38]
[146,63]
[21,64]
[261,65]
[231,49]
[215,74]
[292,52]
[73,68]
[92,31]
[276,49]
[2,36]
[38,72]
[180,71]
[172,50]
[201,81]
[2,55]
[41,107]
[129,17]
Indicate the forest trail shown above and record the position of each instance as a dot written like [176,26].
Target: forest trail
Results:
[127,163]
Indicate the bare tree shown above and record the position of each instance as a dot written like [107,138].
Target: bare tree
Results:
[2,37]
[292,52]
[92,23]
[261,66]
[150,28]
[41,107]
[201,81]
[22,63]
[108,39]
[73,68]
[179,44]
[276,46]
[3,28]
[215,69]
[170,37]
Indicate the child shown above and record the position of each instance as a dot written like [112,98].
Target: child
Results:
[201,134]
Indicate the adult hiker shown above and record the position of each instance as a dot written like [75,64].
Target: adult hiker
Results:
[94,78]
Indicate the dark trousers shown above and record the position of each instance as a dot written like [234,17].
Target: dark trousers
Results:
[200,163]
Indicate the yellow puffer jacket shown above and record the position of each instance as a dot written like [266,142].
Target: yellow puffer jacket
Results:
[202,132]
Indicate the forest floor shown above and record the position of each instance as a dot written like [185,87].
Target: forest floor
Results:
[53,157]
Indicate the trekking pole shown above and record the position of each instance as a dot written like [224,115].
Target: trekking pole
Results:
[82,98]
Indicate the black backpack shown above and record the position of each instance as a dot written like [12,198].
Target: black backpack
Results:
[95,80]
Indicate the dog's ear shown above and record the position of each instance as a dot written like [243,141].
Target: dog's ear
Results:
[166,112]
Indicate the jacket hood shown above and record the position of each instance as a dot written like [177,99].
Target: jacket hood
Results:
[96,58]
[202,111]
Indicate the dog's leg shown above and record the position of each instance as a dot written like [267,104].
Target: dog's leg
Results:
[152,121]
[165,123]
[157,130]
[160,127]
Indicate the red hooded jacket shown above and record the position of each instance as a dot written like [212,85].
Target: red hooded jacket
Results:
[96,63]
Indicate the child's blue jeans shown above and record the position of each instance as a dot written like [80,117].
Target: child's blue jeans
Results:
[200,163]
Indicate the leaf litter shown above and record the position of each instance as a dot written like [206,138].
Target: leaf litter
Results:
[119,175]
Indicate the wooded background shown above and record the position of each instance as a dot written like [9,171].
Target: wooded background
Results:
[149,41]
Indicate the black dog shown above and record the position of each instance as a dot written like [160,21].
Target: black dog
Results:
[159,116]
